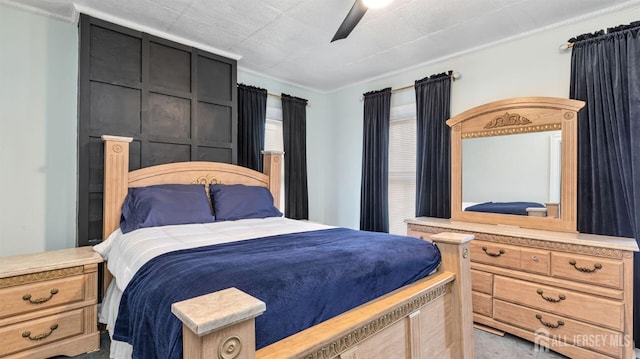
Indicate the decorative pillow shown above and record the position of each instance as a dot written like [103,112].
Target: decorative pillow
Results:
[237,201]
[163,205]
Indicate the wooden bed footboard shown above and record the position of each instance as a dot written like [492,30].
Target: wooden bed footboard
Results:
[431,318]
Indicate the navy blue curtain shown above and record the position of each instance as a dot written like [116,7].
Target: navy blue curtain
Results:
[294,128]
[433,160]
[252,115]
[374,189]
[605,73]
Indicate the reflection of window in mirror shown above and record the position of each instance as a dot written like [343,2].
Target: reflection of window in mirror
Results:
[512,168]
[555,173]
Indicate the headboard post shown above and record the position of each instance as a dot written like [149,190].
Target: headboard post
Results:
[272,167]
[116,173]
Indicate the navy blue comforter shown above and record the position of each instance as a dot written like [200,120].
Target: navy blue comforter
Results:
[304,278]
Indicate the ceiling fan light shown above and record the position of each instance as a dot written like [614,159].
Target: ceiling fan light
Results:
[376,4]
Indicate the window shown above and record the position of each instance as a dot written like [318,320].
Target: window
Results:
[273,137]
[402,170]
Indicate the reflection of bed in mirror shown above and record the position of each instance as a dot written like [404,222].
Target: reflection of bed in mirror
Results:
[515,208]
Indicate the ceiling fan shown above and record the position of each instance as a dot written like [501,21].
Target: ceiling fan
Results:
[356,13]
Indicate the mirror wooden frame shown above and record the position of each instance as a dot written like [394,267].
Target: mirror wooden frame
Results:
[514,116]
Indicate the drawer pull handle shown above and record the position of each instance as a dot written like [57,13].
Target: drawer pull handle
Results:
[561,297]
[27,334]
[585,270]
[485,250]
[549,325]
[27,297]
[534,258]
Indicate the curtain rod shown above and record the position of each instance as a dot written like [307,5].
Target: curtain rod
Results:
[454,76]
[280,97]
[277,96]
[610,30]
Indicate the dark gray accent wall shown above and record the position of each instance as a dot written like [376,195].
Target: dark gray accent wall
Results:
[177,102]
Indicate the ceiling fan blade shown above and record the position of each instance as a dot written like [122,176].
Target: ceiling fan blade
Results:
[351,20]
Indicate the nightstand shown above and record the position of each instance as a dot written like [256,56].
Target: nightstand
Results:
[48,303]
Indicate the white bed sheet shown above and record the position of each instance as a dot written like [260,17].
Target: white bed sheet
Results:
[127,253]
[469,204]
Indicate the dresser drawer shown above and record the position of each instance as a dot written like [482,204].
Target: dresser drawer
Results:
[30,297]
[481,281]
[33,333]
[605,272]
[482,303]
[575,305]
[495,253]
[560,328]
[535,261]
[418,234]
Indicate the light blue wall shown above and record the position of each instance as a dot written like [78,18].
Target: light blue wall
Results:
[38,132]
[318,137]
[527,66]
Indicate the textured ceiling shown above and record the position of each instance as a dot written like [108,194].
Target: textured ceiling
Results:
[289,39]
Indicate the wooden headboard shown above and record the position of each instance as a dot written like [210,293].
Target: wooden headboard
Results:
[118,179]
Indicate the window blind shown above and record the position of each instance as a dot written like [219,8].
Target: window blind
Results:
[402,173]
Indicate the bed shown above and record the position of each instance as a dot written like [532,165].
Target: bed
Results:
[515,208]
[425,313]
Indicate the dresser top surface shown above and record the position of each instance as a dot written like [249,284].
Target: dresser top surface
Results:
[611,242]
[43,261]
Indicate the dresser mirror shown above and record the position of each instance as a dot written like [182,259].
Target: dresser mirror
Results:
[535,155]
[513,162]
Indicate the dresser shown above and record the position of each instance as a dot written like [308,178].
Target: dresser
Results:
[48,303]
[569,292]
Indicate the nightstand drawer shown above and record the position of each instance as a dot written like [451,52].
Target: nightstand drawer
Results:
[33,333]
[495,253]
[31,297]
[561,301]
[587,269]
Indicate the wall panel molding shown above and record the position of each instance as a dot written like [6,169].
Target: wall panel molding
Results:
[178,103]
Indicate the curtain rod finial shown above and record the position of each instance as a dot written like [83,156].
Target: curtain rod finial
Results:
[456,76]
[566,46]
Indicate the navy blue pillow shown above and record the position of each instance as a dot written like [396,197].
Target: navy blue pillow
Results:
[237,201]
[164,205]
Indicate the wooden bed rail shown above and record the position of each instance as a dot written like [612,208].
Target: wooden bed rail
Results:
[430,318]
